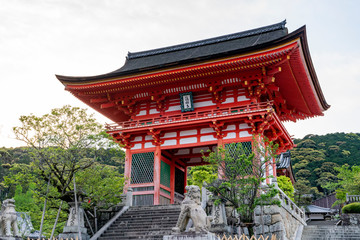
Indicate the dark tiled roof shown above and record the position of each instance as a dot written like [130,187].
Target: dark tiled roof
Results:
[193,52]
[283,161]
[215,40]
[317,209]
[202,50]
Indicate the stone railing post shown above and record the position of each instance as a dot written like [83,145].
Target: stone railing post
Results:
[75,223]
[129,197]
[289,205]
[204,196]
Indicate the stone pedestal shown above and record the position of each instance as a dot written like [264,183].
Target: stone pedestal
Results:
[192,236]
[219,221]
[71,230]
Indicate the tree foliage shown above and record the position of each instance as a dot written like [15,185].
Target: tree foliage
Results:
[240,176]
[59,143]
[102,184]
[349,179]
[65,143]
[199,175]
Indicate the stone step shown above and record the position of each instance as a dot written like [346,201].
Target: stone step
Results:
[338,233]
[144,218]
[150,214]
[146,222]
[331,227]
[141,227]
[154,208]
[113,231]
[147,218]
[153,233]
[139,216]
[142,215]
[135,237]
[331,232]
[330,237]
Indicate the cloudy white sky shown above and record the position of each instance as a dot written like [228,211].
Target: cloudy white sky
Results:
[41,38]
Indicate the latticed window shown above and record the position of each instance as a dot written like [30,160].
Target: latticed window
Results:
[142,168]
[239,148]
[235,150]
[165,174]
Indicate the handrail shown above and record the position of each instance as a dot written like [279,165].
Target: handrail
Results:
[178,198]
[107,225]
[182,117]
[352,198]
[290,206]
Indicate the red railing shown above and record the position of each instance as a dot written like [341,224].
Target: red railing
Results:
[183,117]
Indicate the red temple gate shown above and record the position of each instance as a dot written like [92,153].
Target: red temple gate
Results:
[169,104]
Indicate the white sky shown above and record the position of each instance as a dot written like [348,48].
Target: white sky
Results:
[41,38]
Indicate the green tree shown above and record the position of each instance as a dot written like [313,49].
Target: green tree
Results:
[102,185]
[59,144]
[28,189]
[63,144]
[199,175]
[302,192]
[349,179]
[241,176]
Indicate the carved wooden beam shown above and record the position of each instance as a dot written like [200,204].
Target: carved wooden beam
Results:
[160,102]
[124,139]
[218,127]
[156,134]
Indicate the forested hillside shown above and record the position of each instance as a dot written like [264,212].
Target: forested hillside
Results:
[316,156]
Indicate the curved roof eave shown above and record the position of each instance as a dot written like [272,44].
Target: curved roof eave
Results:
[260,35]
[297,34]
[301,33]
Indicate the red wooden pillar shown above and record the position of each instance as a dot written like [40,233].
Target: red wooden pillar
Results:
[172,181]
[157,169]
[127,168]
[274,167]
[268,172]
[217,126]
[185,178]
[220,144]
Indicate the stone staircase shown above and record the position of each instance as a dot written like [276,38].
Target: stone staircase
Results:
[143,222]
[330,232]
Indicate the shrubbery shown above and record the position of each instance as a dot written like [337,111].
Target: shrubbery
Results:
[286,186]
[352,208]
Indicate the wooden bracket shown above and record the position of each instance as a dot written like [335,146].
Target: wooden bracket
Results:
[124,139]
[217,94]
[218,127]
[160,102]
[156,134]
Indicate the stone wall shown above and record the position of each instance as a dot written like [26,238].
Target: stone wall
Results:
[350,219]
[286,221]
[276,220]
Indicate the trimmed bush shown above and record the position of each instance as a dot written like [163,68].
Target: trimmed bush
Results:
[352,208]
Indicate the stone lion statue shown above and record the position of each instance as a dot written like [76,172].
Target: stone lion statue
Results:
[8,219]
[191,209]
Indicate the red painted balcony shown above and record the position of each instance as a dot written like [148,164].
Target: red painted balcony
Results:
[196,116]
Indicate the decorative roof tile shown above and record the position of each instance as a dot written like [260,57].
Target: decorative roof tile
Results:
[283,161]
[214,40]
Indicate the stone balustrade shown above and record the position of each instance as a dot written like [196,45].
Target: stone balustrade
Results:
[291,207]
[352,198]
[285,221]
